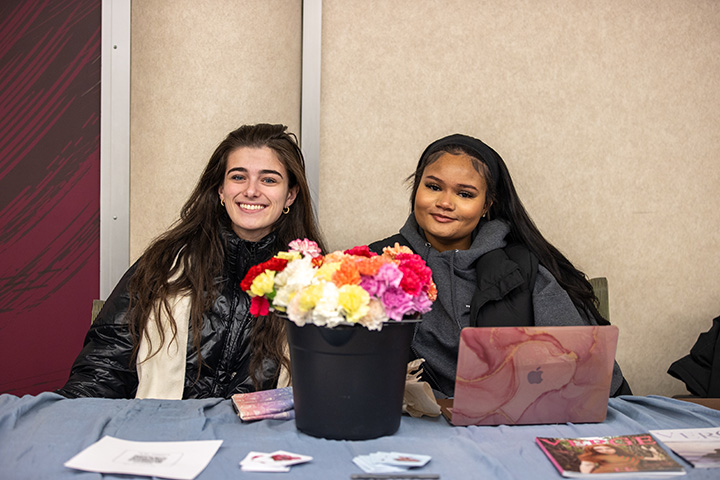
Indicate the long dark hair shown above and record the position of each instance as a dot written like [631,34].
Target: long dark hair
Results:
[506,205]
[189,257]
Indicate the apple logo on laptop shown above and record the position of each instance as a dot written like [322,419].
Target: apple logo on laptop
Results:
[535,376]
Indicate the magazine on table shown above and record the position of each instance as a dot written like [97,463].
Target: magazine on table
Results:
[266,404]
[623,455]
[698,446]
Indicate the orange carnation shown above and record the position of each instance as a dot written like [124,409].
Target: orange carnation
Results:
[370,265]
[347,274]
[396,249]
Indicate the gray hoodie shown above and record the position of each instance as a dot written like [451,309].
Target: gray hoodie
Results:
[437,337]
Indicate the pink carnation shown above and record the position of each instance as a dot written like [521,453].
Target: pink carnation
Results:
[387,276]
[306,247]
[422,304]
[373,286]
[397,303]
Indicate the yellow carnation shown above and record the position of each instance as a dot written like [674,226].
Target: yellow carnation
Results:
[289,256]
[309,296]
[325,273]
[263,283]
[354,301]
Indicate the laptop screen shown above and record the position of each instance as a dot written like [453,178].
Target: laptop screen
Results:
[533,375]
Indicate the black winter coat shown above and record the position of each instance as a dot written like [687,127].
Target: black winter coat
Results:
[103,369]
[700,369]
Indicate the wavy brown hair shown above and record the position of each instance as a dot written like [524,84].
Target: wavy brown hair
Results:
[189,257]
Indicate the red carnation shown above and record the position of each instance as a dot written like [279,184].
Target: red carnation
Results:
[417,265]
[275,264]
[259,306]
[410,283]
[254,271]
[360,251]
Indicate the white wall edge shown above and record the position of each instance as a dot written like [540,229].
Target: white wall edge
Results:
[114,144]
[310,95]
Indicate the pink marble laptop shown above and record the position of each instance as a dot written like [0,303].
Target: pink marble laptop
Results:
[533,375]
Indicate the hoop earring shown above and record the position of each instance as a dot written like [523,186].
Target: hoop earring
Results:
[222,202]
[286,210]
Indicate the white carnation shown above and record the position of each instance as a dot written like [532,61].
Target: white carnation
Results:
[296,275]
[327,311]
[375,316]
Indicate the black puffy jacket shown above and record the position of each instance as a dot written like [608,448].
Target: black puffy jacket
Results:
[103,369]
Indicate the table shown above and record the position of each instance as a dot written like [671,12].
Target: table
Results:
[39,433]
[708,402]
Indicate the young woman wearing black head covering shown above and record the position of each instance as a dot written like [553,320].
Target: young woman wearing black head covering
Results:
[491,264]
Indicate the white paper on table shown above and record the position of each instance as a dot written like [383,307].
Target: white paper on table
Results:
[699,446]
[176,460]
[688,434]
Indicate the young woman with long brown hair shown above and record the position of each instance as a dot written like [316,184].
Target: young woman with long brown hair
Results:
[178,324]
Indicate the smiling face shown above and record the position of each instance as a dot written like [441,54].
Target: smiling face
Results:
[449,202]
[256,189]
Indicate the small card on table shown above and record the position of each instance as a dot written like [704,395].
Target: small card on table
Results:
[389,462]
[278,461]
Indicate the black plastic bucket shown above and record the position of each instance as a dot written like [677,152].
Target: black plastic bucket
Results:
[348,381]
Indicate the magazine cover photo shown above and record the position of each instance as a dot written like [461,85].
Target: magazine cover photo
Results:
[609,455]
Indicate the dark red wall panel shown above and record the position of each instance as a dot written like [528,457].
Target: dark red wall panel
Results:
[49,187]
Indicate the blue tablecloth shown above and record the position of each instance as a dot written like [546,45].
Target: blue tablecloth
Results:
[39,433]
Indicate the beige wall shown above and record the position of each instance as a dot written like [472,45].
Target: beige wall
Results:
[607,114]
[200,69]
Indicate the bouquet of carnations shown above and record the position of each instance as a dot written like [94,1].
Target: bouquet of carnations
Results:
[354,286]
